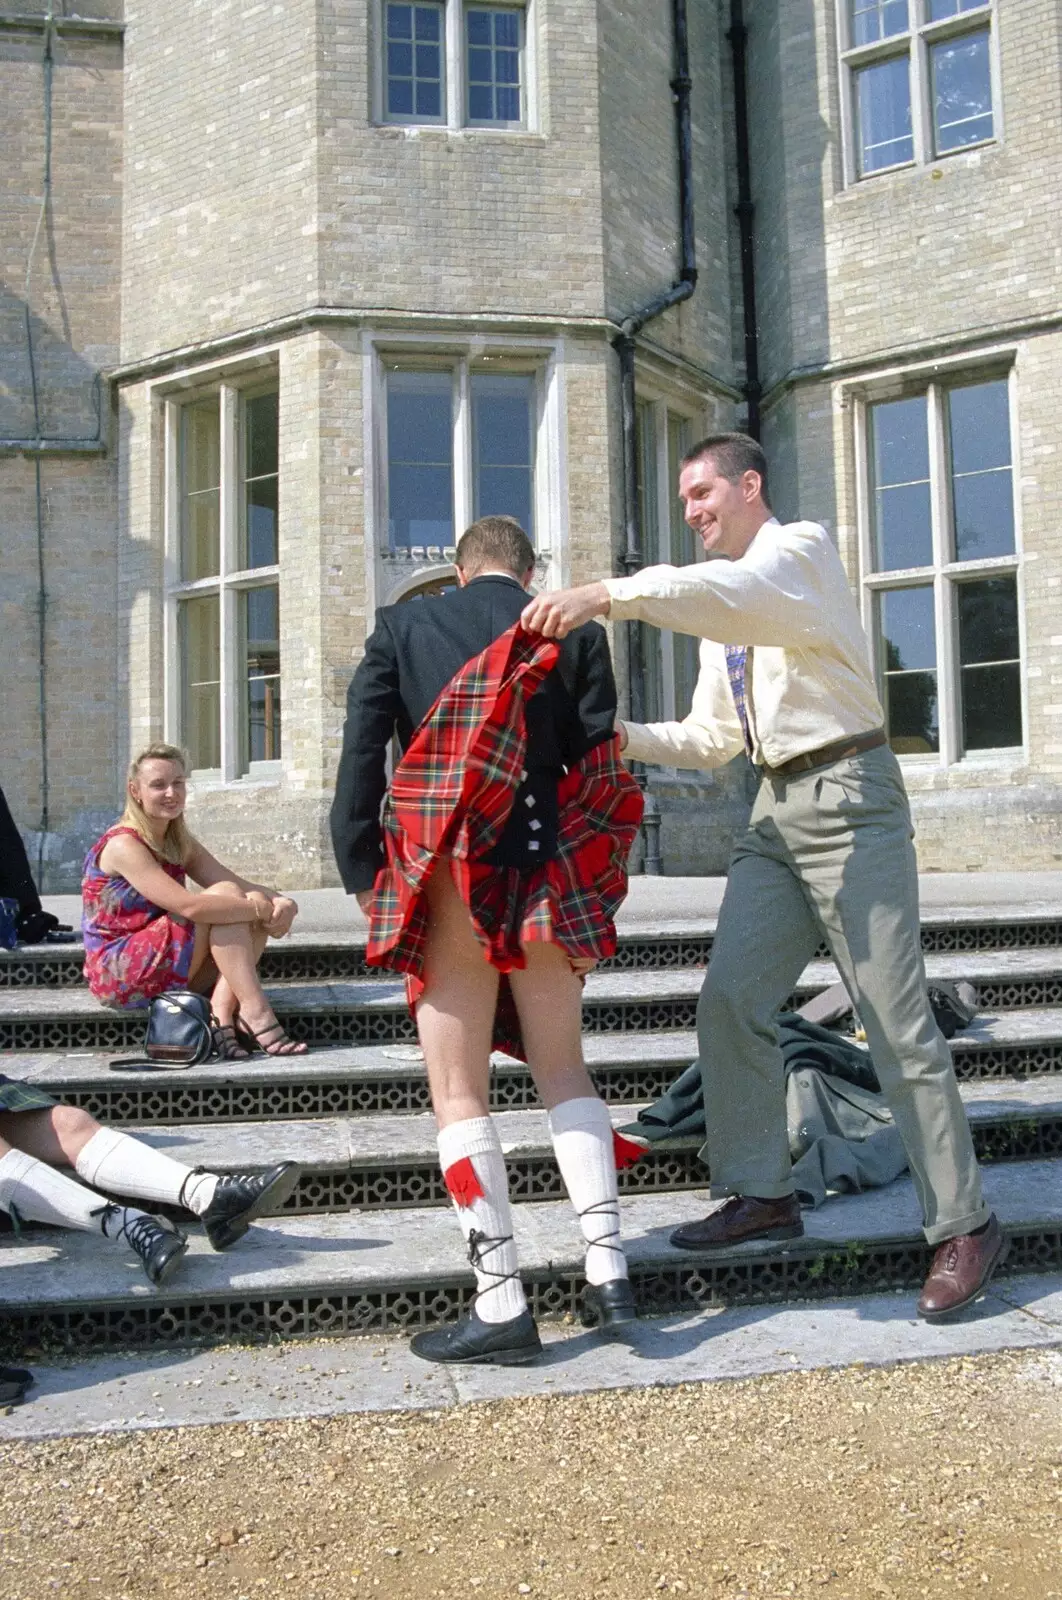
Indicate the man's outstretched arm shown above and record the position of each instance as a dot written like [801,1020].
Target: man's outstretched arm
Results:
[554,615]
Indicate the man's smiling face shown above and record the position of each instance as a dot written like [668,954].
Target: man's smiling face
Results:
[724,515]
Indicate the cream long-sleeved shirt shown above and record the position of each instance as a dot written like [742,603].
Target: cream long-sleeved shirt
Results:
[787,597]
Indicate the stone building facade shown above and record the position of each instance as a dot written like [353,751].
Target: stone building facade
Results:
[308,286]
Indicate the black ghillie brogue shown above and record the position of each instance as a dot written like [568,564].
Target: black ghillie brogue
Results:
[241,1198]
[609,1306]
[500,1344]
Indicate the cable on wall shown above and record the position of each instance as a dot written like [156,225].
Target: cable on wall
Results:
[625,342]
[48,63]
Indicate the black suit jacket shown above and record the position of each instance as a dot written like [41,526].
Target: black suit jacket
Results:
[416,648]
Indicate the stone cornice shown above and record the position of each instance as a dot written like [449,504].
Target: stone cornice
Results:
[380,319]
[967,342]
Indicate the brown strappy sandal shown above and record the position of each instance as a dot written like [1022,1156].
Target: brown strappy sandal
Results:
[282,1045]
[228,1044]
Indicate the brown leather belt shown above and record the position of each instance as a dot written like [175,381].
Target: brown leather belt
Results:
[840,750]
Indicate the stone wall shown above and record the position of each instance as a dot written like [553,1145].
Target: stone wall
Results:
[956,247]
[639,172]
[73,309]
[221,218]
[464,220]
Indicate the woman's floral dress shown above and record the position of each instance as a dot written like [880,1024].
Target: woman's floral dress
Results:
[133,949]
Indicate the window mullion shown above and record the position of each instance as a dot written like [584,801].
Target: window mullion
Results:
[943,595]
[171,565]
[529,73]
[921,110]
[666,554]
[464,489]
[865,533]
[229,562]
[455,63]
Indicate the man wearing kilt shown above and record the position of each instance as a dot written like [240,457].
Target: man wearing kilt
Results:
[492,882]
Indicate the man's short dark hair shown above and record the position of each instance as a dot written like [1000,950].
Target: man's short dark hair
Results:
[495,542]
[732,454]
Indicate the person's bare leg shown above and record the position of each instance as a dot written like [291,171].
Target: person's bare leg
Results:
[548,997]
[223,1001]
[549,1002]
[455,1013]
[56,1136]
[234,949]
[455,1022]
[202,973]
[236,958]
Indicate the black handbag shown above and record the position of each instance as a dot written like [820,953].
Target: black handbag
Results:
[179,1033]
[178,1029]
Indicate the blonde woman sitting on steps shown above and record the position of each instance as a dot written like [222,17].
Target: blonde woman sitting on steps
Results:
[145,932]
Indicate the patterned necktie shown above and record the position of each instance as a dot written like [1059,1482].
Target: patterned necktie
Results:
[736,659]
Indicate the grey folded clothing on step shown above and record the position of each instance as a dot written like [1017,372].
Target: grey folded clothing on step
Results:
[840,1131]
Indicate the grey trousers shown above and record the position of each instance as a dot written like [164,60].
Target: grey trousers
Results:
[829,854]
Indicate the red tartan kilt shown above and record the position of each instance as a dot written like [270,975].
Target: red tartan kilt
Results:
[451,796]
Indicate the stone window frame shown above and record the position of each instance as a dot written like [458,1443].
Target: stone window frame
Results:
[932,380]
[455,118]
[392,575]
[231,388]
[914,44]
[663,407]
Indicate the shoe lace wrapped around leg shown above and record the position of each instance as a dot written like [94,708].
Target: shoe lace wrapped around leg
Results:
[139,1232]
[610,1239]
[195,1172]
[481,1245]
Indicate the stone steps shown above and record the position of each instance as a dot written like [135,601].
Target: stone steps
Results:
[386,1162]
[643,946]
[373,1010]
[374,1271]
[367,1243]
[628,1068]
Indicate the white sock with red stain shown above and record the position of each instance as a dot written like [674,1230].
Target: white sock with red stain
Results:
[123,1165]
[473,1166]
[587,1152]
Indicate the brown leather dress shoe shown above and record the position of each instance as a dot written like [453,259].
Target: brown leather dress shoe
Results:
[961,1268]
[742,1218]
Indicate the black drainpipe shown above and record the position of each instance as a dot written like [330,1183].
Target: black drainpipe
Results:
[625,345]
[745,212]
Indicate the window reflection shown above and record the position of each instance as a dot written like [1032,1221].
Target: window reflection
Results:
[939,9]
[415,62]
[981,479]
[883,103]
[503,447]
[420,459]
[260,656]
[200,489]
[962,92]
[492,39]
[871,20]
[989,666]
[907,632]
[900,484]
[200,640]
[258,531]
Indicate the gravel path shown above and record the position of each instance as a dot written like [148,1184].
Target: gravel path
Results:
[934,1479]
